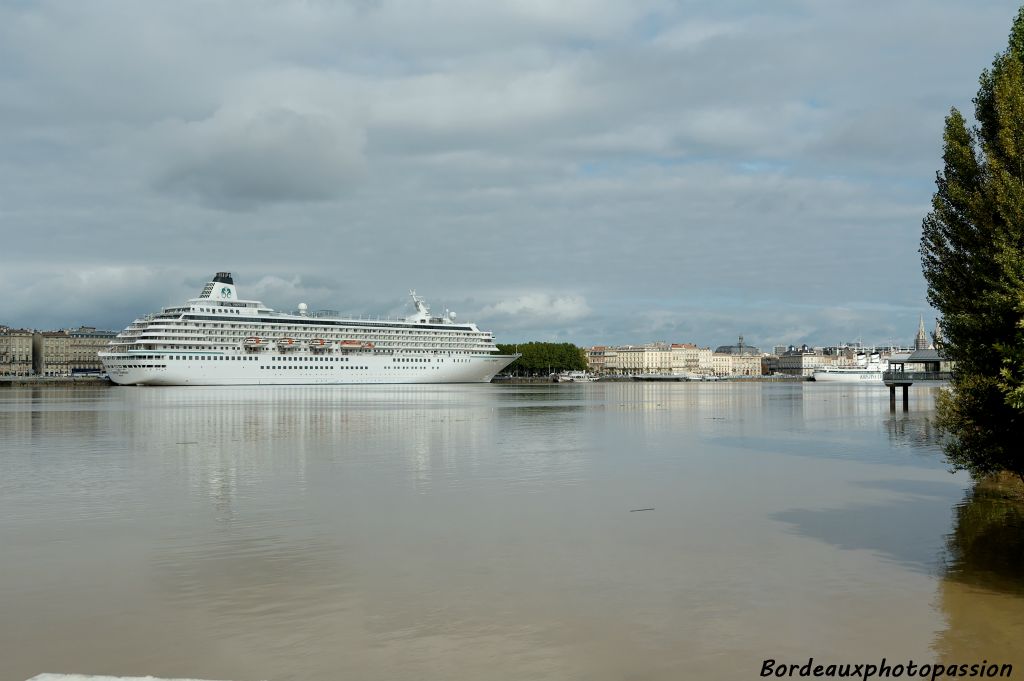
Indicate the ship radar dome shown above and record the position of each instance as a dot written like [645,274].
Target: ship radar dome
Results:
[303,309]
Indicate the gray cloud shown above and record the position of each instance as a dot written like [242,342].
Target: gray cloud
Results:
[242,158]
[591,170]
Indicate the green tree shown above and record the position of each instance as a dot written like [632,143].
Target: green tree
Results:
[541,359]
[972,254]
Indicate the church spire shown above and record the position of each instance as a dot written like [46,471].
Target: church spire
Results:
[921,341]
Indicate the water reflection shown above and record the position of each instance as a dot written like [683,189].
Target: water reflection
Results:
[905,527]
[986,547]
[836,421]
[982,593]
[477,531]
[914,429]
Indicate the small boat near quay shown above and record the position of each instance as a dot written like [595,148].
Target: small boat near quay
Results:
[573,377]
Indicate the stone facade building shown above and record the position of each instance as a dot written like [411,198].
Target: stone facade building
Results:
[737,360]
[596,359]
[677,359]
[51,353]
[803,362]
[745,365]
[15,352]
[86,343]
[632,360]
[652,358]
[721,364]
[689,359]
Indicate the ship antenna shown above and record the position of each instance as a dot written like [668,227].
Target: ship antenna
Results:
[418,302]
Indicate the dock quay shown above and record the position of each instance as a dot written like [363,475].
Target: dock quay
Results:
[7,381]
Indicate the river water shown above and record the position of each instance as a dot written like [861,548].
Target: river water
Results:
[492,532]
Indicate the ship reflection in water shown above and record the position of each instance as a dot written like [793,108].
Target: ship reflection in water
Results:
[467,532]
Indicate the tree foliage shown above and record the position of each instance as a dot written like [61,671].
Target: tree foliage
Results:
[541,359]
[972,254]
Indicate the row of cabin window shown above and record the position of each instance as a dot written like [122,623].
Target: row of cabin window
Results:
[292,366]
[247,358]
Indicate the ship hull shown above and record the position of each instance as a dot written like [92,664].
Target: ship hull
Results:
[167,369]
[861,377]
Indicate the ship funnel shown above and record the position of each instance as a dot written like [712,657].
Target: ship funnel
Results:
[221,288]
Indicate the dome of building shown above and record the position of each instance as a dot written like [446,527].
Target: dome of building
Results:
[740,348]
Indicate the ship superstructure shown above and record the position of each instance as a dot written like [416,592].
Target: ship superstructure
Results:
[219,339]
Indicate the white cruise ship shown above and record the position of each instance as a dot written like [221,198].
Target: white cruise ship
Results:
[867,371]
[218,339]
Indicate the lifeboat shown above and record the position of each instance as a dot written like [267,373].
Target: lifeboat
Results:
[287,344]
[353,344]
[366,346]
[252,343]
[318,344]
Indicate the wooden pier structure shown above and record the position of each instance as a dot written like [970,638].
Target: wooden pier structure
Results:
[898,377]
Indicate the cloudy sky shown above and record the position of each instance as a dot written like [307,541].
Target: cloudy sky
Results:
[599,171]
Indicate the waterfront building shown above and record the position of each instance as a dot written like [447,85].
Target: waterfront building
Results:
[611,360]
[740,348]
[624,360]
[86,344]
[678,359]
[803,361]
[51,353]
[737,360]
[721,364]
[15,352]
[745,365]
[652,358]
[724,364]
[690,359]
[658,358]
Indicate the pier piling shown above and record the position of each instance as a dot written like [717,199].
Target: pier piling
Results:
[898,379]
[892,395]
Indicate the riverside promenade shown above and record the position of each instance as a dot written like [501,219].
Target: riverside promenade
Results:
[53,380]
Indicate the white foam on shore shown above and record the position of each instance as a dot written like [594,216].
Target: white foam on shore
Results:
[84,677]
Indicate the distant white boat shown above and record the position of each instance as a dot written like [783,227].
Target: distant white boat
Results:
[868,370]
[574,377]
